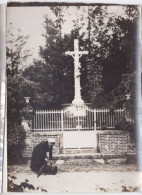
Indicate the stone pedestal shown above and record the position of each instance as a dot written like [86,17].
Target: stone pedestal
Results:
[76,109]
[71,104]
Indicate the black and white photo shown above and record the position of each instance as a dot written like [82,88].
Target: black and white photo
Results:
[71,97]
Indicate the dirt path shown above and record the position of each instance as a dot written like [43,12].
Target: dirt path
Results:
[79,176]
[82,182]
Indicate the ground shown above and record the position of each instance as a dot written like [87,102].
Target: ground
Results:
[76,175]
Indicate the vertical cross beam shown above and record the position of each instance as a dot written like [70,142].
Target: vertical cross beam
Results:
[76,54]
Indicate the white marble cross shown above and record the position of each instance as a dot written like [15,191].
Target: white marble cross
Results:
[76,54]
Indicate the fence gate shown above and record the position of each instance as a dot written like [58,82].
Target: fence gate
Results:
[79,128]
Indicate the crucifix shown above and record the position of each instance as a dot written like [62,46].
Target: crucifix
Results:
[76,54]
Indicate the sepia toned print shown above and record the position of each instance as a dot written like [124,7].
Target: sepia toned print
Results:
[71,72]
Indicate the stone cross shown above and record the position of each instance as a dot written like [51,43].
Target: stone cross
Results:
[76,54]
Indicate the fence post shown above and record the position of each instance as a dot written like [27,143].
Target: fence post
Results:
[95,125]
[95,128]
[62,121]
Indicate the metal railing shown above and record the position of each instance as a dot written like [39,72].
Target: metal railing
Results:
[76,118]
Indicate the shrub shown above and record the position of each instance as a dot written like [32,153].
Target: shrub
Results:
[125,125]
[16,143]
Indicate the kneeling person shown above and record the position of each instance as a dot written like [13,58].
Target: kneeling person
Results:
[39,161]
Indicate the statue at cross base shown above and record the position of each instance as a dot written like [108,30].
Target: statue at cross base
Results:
[76,54]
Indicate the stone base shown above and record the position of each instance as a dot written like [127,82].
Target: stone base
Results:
[78,101]
[112,144]
[76,109]
[71,104]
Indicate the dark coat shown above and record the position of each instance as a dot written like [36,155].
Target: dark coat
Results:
[39,155]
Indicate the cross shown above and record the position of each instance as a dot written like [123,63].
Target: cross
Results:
[76,54]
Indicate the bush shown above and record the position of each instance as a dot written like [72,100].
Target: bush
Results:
[125,125]
[16,143]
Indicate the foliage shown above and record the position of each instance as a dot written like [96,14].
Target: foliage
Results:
[15,139]
[55,71]
[107,73]
[22,187]
[111,62]
[15,132]
[15,97]
[15,52]
[125,125]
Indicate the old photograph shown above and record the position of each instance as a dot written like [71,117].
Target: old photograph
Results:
[71,90]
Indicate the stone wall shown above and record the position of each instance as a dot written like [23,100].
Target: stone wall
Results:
[34,138]
[38,137]
[116,142]
[109,141]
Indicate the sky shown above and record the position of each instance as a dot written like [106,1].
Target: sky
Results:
[30,21]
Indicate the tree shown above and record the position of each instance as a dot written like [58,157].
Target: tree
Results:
[55,72]
[123,70]
[15,133]
[15,99]
[15,52]
[113,40]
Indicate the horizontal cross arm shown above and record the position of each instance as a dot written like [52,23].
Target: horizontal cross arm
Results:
[83,52]
[69,53]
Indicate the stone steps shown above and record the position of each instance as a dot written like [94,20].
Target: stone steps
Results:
[77,156]
[79,151]
[88,154]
